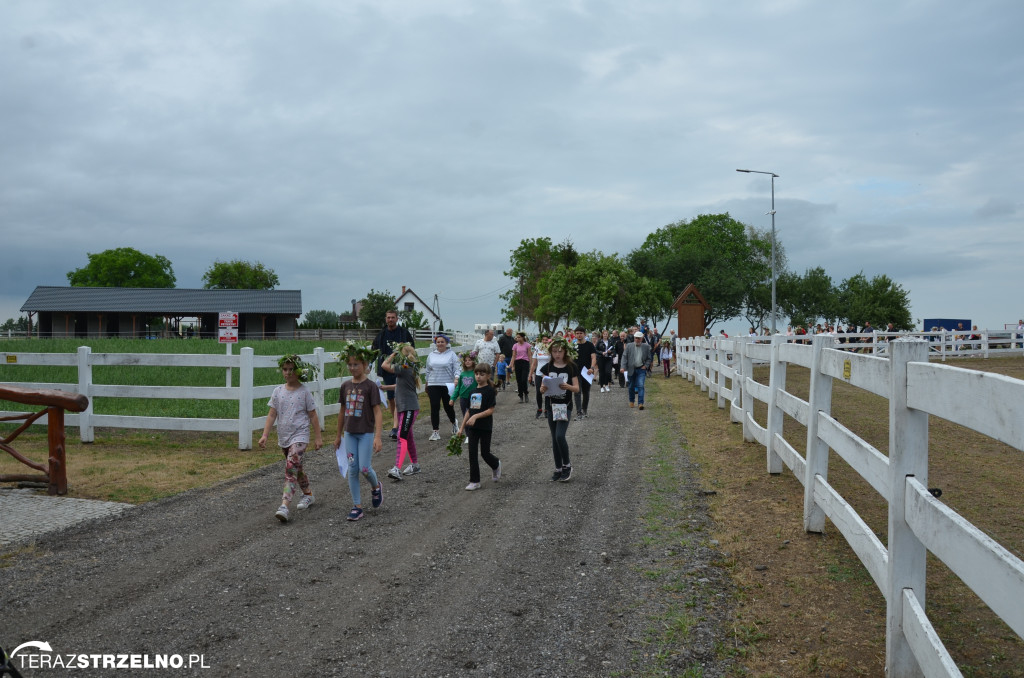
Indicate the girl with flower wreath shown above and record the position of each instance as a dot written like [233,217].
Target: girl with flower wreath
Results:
[665,354]
[293,409]
[466,382]
[360,422]
[558,402]
[405,365]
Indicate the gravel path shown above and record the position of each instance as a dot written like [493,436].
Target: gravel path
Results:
[524,577]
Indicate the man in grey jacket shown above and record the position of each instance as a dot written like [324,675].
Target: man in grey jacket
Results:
[636,363]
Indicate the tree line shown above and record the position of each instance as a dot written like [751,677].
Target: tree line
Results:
[728,261]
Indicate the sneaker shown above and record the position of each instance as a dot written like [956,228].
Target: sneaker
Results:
[306,501]
[394,434]
[466,441]
[411,469]
[578,417]
[455,427]
[566,474]
[632,405]
[378,495]
[540,413]
[473,486]
[355,514]
[557,475]
[395,473]
[496,473]
[282,514]
[435,436]
[641,406]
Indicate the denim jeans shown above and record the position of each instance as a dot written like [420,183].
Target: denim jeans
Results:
[637,378]
[359,448]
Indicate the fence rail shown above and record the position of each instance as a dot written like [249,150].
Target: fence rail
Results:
[246,393]
[917,522]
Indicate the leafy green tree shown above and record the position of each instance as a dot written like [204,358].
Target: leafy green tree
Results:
[413,320]
[599,291]
[375,307]
[319,319]
[712,251]
[239,275]
[879,300]
[123,267]
[19,324]
[529,263]
[809,297]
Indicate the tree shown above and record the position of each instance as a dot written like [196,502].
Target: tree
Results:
[809,297]
[19,324]
[375,307]
[529,263]
[712,251]
[413,320]
[599,291]
[878,301]
[123,267]
[319,319]
[239,275]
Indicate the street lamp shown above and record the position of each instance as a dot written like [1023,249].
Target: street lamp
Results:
[774,277]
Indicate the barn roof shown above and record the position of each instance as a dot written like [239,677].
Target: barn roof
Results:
[170,301]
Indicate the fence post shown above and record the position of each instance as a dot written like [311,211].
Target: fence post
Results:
[776,382]
[820,400]
[908,456]
[245,399]
[318,360]
[85,429]
[723,361]
[747,399]
[984,343]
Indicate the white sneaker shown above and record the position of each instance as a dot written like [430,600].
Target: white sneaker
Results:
[411,469]
[455,427]
[466,441]
[395,473]
[282,513]
[306,501]
[496,473]
[435,436]
[473,486]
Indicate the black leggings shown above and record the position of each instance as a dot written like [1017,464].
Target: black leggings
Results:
[559,445]
[522,368]
[483,439]
[439,395]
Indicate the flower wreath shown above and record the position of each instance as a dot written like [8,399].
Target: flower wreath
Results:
[399,359]
[351,349]
[305,371]
[467,354]
[571,354]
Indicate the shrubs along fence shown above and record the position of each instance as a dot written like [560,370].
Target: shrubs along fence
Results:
[918,523]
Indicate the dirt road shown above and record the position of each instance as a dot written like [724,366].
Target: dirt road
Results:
[524,577]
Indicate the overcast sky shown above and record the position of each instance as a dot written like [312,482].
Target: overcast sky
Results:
[357,145]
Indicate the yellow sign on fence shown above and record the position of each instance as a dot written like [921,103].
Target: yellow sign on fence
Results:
[846,370]
[12,359]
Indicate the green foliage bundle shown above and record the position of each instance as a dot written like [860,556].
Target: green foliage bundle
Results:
[454,446]
[303,370]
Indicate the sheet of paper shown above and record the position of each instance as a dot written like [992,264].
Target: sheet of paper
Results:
[342,458]
[554,386]
[587,374]
[451,390]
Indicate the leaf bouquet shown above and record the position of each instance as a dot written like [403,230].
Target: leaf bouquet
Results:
[454,446]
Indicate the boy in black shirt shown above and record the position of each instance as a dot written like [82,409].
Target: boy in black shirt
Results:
[478,424]
[586,356]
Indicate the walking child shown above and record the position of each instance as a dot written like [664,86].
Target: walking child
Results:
[293,409]
[558,405]
[665,354]
[404,364]
[360,422]
[466,382]
[502,371]
[478,425]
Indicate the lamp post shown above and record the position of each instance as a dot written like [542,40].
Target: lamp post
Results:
[774,277]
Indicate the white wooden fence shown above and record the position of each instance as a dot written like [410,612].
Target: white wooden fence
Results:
[245,393]
[941,343]
[991,404]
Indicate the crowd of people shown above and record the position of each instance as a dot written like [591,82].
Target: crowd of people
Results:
[555,371]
